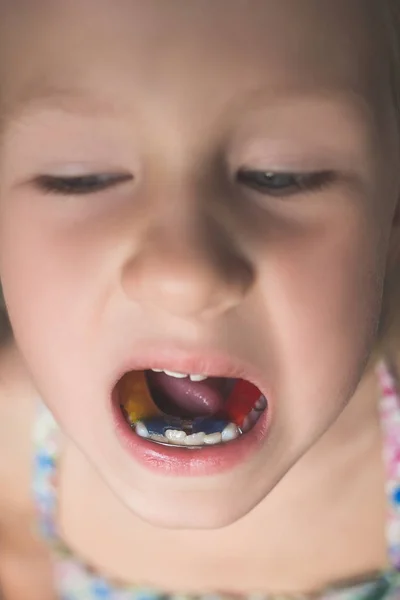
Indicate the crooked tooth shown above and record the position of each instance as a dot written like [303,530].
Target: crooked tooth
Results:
[231,432]
[195,439]
[141,429]
[197,377]
[261,403]
[213,438]
[176,375]
[157,370]
[175,436]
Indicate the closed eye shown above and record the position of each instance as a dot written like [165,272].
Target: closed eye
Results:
[282,184]
[80,185]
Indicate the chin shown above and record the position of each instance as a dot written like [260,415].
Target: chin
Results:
[190,510]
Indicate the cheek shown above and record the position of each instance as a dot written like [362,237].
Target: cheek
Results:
[56,311]
[55,284]
[322,291]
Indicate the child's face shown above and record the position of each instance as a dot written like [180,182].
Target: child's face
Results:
[187,251]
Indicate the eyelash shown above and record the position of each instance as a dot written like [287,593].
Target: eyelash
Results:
[81,185]
[268,183]
[282,184]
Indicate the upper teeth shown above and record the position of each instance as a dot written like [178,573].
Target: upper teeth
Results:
[193,376]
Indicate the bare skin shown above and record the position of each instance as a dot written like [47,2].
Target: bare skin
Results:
[294,287]
[320,528]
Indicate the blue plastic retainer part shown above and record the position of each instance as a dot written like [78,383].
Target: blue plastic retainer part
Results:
[207,425]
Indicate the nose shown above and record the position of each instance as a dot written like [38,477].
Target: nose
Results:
[186,272]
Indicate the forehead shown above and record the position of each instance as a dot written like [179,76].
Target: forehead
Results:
[189,53]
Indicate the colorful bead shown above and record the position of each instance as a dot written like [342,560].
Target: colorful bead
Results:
[396,496]
[241,401]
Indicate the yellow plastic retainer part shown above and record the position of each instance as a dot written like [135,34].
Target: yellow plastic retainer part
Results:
[135,397]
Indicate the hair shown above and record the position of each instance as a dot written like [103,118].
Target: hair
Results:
[389,324]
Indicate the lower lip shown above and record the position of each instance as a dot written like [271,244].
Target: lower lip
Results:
[197,462]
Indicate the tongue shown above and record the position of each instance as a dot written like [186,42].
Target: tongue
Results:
[184,397]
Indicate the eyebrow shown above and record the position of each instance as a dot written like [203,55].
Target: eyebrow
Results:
[70,100]
[80,101]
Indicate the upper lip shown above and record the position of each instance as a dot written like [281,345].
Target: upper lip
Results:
[205,361]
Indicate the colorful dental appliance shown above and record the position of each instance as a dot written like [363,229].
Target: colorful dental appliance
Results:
[137,402]
[141,411]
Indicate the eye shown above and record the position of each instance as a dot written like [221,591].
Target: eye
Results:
[80,185]
[279,183]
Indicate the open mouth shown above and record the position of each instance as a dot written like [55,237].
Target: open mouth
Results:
[192,411]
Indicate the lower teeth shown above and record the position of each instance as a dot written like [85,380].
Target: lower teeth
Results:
[180,438]
[186,438]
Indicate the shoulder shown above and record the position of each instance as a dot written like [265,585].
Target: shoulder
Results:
[17,414]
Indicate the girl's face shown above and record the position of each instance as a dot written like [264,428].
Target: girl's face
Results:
[185,250]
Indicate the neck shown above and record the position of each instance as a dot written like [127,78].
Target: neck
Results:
[330,506]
